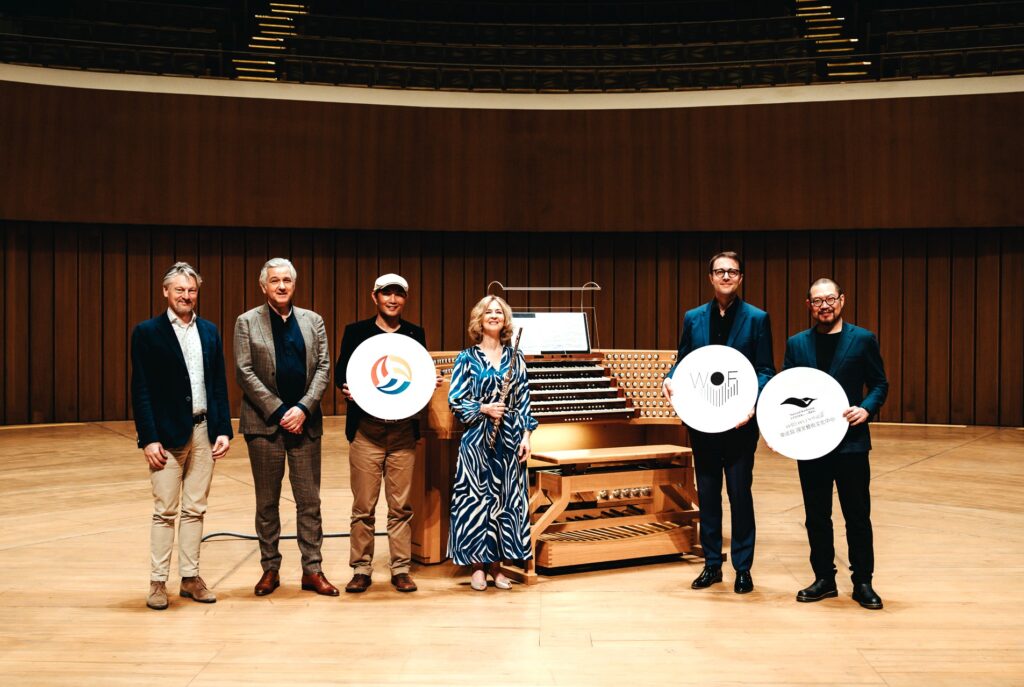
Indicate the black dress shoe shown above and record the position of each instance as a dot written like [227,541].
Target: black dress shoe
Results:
[821,588]
[866,596]
[708,576]
[744,582]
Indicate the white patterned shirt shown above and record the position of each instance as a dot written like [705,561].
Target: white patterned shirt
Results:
[192,350]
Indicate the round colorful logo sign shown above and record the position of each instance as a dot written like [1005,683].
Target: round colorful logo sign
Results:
[391,376]
[714,388]
[800,413]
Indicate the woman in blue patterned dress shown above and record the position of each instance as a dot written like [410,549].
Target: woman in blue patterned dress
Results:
[490,515]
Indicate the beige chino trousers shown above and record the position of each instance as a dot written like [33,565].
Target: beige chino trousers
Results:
[184,480]
[382,452]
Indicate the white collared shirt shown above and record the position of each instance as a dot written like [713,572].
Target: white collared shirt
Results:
[192,351]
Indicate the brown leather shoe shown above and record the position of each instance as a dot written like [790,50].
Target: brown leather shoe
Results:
[194,588]
[317,582]
[358,584]
[157,599]
[403,582]
[268,583]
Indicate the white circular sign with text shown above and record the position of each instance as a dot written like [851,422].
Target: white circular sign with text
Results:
[391,376]
[714,388]
[800,413]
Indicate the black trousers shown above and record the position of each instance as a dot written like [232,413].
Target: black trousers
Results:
[851,474]
[738,468]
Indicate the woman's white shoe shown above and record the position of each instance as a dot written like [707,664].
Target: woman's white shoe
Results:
[478,581]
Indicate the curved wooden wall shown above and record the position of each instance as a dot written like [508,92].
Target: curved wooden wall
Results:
[77,155]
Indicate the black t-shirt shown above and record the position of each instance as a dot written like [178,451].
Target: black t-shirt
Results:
[721,324]
[355,334]
[825,349]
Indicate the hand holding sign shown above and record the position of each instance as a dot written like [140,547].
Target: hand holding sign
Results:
[713,389]
[802,413]
[391,376]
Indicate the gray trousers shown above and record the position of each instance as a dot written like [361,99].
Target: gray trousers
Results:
[267,454]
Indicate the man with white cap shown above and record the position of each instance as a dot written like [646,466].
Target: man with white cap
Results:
[380,449]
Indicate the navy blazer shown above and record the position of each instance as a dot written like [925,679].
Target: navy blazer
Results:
[751,335]
[857,363]
[161,390]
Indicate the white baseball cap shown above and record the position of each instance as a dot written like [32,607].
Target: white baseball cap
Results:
[390,279]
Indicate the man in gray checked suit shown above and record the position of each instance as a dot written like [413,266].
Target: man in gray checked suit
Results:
[282,363]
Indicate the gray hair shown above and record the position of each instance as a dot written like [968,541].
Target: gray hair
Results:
[184,269]
[277,262]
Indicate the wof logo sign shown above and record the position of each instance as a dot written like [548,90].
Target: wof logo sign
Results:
[714,388]
[718,388]
[391,375]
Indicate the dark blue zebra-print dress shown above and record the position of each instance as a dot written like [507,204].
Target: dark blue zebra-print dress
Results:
[490,515]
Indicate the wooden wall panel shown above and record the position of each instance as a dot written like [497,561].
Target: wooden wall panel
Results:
[943,302]
[1011,332]
[605,299]
[3,324]
[319,296]
[453,310]
[40,299]
[962,327]
[90,324]
[799,278]
[934,295]
[646,288]
[472,288]
[141,282]
[18,346]
[915,331]
[199,161]
[665,301]
[114,340]
[890,321]
[232,293]
[986,334]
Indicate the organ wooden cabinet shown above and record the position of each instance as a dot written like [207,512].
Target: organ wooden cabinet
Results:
[633,501]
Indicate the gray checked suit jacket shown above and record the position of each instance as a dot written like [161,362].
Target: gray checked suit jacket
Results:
[256,365]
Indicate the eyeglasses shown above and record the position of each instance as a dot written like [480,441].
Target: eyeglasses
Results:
[721,273]
[827,300]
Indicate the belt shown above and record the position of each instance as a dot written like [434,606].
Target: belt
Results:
[380,421]
[197,419]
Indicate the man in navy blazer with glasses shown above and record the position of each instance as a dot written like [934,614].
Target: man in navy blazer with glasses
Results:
[728,321]
[850,354]
[180,403]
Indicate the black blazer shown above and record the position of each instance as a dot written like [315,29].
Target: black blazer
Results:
[161,390]
[857,363]
[751,335]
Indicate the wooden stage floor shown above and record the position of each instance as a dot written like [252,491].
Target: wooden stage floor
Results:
[74,527]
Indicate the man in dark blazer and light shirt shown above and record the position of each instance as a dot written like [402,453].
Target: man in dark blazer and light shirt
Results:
[851,355]
[283,364]
[180,403]
[728,321]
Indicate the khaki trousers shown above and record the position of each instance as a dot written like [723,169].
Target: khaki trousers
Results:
[382,451]
[184,480]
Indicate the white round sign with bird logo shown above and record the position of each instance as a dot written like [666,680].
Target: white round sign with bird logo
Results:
[800,413]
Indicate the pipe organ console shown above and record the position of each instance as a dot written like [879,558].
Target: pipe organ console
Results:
[634,504]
